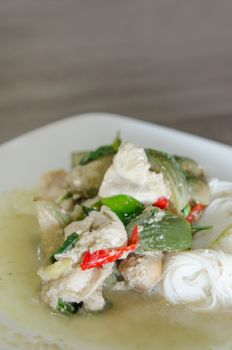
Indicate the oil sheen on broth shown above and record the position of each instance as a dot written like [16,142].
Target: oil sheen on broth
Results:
[134,322]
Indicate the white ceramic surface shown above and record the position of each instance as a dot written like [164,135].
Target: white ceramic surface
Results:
[26,157]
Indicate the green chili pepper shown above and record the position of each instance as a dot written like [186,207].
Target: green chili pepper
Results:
[125,207]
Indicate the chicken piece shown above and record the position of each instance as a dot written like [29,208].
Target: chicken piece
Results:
[100,230]
[130,175]
[54,183]
[142,272]
[68,281]
[95,302]
[85,180]
[78,286]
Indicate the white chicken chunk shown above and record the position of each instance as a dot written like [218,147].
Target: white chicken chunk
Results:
[95,302]
[142,272]
[100,230]
[78,286]
[129,174]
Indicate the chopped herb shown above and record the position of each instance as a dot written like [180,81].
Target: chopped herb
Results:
[196,229]
[101,151]
[87,210]
[67,195]
[68,308]
[186,210]
[68,244]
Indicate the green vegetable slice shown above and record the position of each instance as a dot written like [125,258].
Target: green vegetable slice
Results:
[196,229]
[189,166]
[161,230]
[52,219]
[84,180]
[173,176]
[76,157]
[125,207]
[87,210]
[101,151]
[68,308]
[199,189]
[68,244]
[196,180]
[186,210]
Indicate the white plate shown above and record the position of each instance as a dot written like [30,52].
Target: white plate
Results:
[25,158]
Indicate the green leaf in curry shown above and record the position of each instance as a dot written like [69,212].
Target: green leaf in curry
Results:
[105,150]
[68,244]
[196,229]
[124,206]
[68,308]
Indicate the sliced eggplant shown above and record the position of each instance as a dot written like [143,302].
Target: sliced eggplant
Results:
[197,183]
[84,180]
[76,157]
[161,230]
[52,220]
[173,175]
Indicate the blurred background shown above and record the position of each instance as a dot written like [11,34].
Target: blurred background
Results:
[167,62]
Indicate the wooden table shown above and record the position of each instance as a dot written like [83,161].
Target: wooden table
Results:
[165,61]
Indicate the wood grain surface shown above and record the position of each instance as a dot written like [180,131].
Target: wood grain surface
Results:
[165,61]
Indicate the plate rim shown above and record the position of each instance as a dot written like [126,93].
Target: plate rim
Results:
[90,115]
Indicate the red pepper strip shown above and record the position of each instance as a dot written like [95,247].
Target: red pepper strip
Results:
[196,211]
[99,258]
[161,203]
[134,238]
[105,256]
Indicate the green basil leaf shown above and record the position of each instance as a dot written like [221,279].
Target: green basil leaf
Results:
[101,151]
[68,244]
[196,229]
[68,308]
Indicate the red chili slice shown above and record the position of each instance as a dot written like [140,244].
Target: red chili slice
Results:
[196,212]
[105,256]
[161,203]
